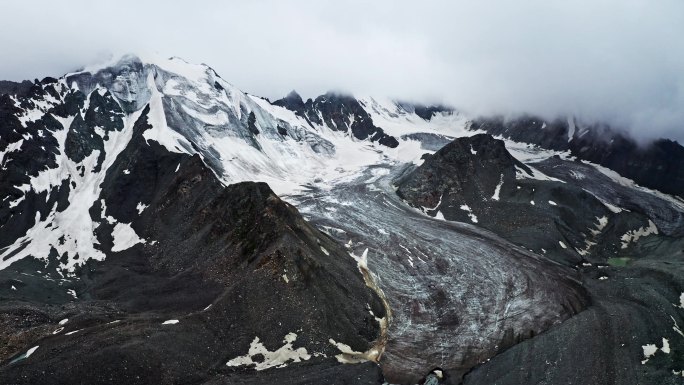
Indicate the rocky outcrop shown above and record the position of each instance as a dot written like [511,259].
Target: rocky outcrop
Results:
[476,180]
[339,113]
[658,164]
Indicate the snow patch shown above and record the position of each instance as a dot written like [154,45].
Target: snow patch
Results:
[362,261]
[348,355]
[649,350]
[12,147]
[634,235]
[497,190]
[534,174]
[31,351]
[170,322]
[473,217]
[141,207]
[666,346]
[124,237]
[278,358]
[614,209]
[25,355]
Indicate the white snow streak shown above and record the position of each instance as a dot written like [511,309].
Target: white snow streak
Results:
[497,190]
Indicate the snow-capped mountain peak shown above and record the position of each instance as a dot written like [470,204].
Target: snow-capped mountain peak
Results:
[82,121]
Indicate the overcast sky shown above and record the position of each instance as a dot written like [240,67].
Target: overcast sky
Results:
[616,60]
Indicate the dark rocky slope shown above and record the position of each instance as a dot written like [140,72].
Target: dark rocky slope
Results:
[228,263]
[476,180]
[635,308]
[15,88]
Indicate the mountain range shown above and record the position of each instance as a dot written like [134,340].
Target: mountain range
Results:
[160,226]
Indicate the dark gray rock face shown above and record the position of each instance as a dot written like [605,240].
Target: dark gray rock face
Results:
[293,102]
[339,113]
[658,165]
[15,88]
[476,180]
[230,264]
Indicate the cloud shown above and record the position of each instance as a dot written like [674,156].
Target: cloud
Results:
[620,61]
